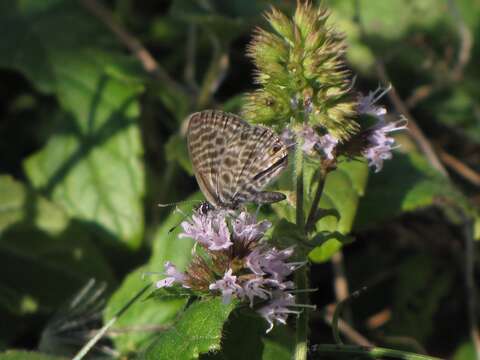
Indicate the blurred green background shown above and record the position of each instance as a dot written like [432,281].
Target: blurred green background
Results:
[93,96]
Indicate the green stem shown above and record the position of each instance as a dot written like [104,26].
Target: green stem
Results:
[312,215]
[371,352]
[91,343]
[298,180]
[301,275]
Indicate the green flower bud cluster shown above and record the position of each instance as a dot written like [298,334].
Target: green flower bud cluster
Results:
[302,74]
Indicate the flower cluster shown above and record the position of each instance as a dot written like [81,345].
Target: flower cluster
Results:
[302,73]
[304,83]
[234,262]
[373,143]
[378,145]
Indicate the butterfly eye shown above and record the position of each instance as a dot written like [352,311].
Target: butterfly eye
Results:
[276,148]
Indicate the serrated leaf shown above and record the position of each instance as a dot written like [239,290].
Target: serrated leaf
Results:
[152,312]
[198,331]
[406,183]
[38,241]
[245,330]
[27,355]
[91,166]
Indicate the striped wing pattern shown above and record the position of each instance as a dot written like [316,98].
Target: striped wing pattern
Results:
[233,161]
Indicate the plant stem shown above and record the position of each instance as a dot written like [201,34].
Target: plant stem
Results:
[91,343]
[371,352]
[316,200]
[301,275]
[298,181]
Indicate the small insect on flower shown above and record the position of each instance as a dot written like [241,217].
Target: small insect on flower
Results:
[244,267]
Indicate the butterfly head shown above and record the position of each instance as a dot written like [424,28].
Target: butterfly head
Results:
[204,208]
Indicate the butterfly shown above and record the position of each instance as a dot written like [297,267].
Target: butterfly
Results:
[233,160]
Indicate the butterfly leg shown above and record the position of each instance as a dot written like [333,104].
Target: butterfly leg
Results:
[268,197]
[258,210]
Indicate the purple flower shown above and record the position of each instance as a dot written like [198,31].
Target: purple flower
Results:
[271,261]
[311,140]
[274,263]
[247,229]
[228,286]
[255,260]
[327,144]
[208,229]
[366,104]
[288,137]
[256,287]
[380,144]
[277,309]
[174,276]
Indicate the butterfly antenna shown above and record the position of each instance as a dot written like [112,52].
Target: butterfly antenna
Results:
[178,203]
[177,209]
[292,145]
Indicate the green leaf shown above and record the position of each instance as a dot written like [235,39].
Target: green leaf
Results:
[38,241]
[176,150]
[91,166]
[20,205]
[245,330]
[343,189]
[27,355]
[174,292]
[198,331]
[406,183]
[391,19]
[465,352]
[151,312]
[339,202]
[456,108]
[423,281]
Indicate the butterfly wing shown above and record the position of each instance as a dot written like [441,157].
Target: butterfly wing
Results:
[252,159]
[208,135]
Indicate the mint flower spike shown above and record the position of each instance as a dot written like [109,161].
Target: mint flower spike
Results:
[236,261]
[302,74]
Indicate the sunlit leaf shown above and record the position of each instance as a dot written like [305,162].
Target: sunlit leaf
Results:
[405,184]
[245,330]
[91,166]
[198,331]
